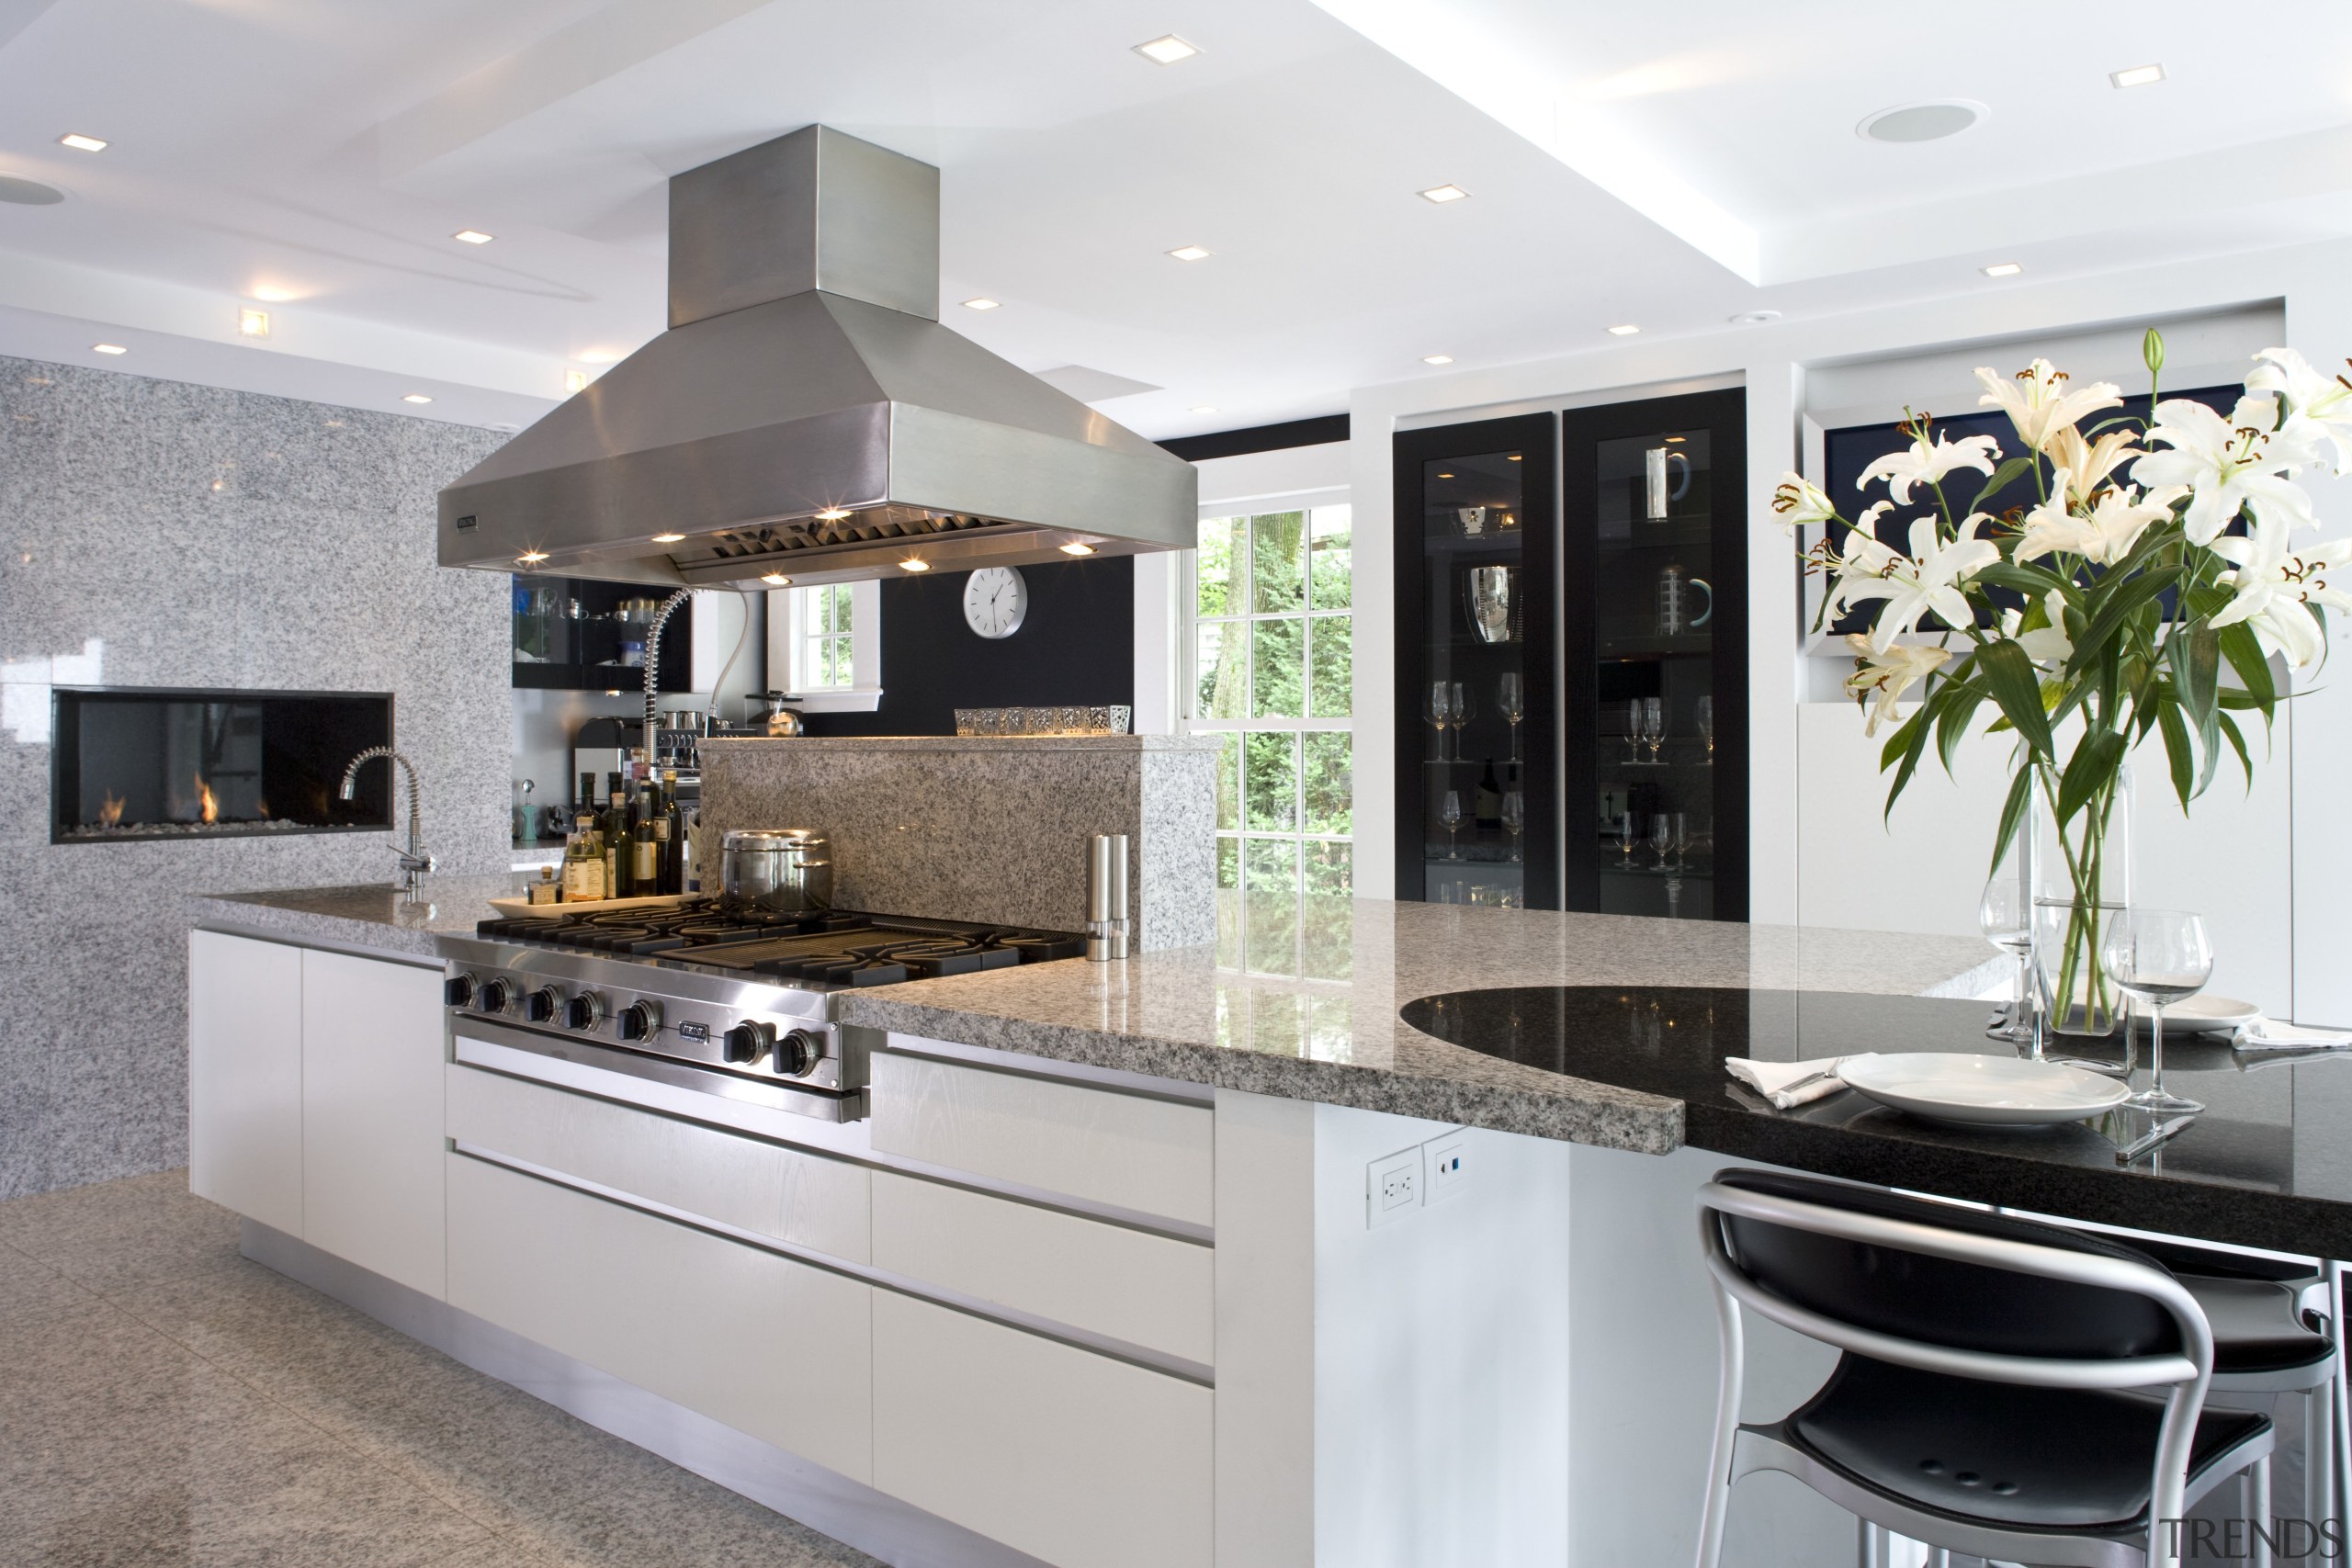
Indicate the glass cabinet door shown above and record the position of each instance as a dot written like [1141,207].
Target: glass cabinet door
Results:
[1655,577]
[1477,794]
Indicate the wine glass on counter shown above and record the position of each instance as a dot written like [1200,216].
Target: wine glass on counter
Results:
[2159,957]
[1511,701]
[2005,917]
[1451,815]
[1440,712]
[1515,820]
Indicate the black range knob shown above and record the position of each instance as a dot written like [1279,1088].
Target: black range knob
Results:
[639,1021]
[491,996]
[583,1013]
[540,1006]
[799,1051]
[457,990]
[747,1043]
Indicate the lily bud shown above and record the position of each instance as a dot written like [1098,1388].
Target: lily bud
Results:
[2152,350]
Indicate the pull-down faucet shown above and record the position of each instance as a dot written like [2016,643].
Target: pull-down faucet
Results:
[414,861]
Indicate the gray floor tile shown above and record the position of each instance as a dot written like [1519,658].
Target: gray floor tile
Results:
[31,1291]
[144,1228]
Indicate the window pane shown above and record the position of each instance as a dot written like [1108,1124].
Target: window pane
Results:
[843,658]
[1278,562]
[1270,794]
[1271,867]
[1330,869]
[842,600]
[828,662]
[1228,863]
[1331,563]
[1278,665]
[1330,781]
[1228,783]
[1331,665]
[823,607]
[1224,670]
[1220,593]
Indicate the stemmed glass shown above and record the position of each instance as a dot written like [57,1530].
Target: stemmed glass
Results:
[1511,701]
[2005,917]
[1625,838]
[1633,731]
[1662,835]
[2158,956]
[1706,719]
[1451,815]
[1514,818]
[1440,712]
[1653,726]
[1462,701]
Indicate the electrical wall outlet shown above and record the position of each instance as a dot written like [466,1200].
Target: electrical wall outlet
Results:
[1392,1187]
[1447,1163]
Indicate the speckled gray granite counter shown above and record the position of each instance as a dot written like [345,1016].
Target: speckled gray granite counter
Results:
[377,916]
[1303,1003]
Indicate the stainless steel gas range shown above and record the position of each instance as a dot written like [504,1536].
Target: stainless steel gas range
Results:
[739,1004]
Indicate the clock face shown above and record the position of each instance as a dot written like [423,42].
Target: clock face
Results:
[995,599]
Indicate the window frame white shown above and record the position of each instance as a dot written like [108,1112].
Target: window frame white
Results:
[789,637]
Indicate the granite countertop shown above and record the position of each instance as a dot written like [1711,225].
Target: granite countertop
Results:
[1302,1002]
[968,742]
[377,916]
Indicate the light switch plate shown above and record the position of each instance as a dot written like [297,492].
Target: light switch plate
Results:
[1392,1187]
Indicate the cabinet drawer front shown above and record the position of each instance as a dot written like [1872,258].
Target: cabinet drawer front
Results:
[1131,1285]
[1153,1157]
[755,1186]
[1077,1459]
[765,1345]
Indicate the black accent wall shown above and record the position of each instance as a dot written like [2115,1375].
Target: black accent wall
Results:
[1077,645]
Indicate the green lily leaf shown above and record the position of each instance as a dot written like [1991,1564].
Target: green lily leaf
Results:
[2012,811]
[2244,653]
[2193,653]
[1952,724]
[2035,583]
[2110,607]
[2009,680]
[2088,772]
[1913,738]
[2177,752]
[2237,744]
[2006,474]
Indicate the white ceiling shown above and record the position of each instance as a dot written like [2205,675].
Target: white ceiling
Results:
[317,155]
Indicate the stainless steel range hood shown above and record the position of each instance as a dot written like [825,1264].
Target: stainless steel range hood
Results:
[806,416]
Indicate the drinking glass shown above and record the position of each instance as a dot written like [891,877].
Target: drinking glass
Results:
[1451,815]
[1706,720]
[1465,701]
[2005,917]
[1514,818]
[1633,731]
[1440,712]
[1653,726]
[1511,701]
[2158,956]
[1625,838]
[1662,835]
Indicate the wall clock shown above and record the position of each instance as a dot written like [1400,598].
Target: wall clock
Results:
[995,600]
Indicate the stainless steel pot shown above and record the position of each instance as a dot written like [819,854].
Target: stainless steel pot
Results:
[786,869]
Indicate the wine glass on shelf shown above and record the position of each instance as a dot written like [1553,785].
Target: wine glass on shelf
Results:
[1625,838]
[1706,721]
[2005,917]
[1662,835]
[1440,712]
[1511,701]
[2158,956]
[1633,732]
[1451,815]
[1653,726]
[1464,699]
[1515,820]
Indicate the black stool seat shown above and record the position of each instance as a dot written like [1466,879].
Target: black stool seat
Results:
[2000,1454]
[2258,1326]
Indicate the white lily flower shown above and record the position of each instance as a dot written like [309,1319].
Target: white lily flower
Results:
[2228,466]
[2274,588]
[2090,462]
[1889,673]
[1800,502]
[1921,464]
[2038,403]
[1928,580]
[2043,645]
[2102,532]
[1864,560]
[2315,401]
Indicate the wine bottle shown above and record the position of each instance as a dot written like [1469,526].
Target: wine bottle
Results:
[618,863]
[670,828]
[645,867]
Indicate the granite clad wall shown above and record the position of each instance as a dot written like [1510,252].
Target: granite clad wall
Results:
[159,534]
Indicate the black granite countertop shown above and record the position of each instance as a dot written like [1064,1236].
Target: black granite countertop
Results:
[2268,1164]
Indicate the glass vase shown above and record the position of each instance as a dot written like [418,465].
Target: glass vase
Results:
[2082,875]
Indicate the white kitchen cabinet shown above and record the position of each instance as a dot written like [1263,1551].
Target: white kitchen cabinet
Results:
[770,1347]
[1128,1151]
[1147,1290]
[245,1077]
[372,1055]
[1077,1459]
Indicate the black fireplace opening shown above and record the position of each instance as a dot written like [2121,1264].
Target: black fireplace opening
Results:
[148,763]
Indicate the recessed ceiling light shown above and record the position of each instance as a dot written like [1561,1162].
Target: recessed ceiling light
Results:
[108,348]
[1167,49]
[1189,252]
[1437,359]
[667,538]
[775,580]
[597,356]
[1922,122]
[1755,317]
[918,564]
[1624,329]
[253,323]
[532,558]
[473,236]
[1441,194]
[416,398]
[272,293]
[80,142]
[573,380]
[1204,408]
[2138,76]
[2004,270]
[1075,548]
[982,304]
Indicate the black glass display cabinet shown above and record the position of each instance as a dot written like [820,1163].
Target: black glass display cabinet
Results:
[572,635]
[1477,777]
[1653,635]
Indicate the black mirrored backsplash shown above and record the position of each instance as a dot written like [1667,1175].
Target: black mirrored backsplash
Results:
[151,763]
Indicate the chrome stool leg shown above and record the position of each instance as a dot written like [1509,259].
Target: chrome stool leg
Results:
[1872,1547]
[2256,1483]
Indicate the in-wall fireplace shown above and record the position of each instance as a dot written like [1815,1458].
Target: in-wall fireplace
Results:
[146,764]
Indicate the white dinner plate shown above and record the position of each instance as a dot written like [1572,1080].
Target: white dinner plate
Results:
[1983,1091]
[2193,1014]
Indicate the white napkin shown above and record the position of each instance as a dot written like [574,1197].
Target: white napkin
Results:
[2270,1034]
[1770,1078]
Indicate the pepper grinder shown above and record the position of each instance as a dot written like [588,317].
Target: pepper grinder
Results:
[1106,896]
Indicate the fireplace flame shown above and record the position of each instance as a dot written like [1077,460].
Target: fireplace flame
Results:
[110,810]
[262,807]
[209,808]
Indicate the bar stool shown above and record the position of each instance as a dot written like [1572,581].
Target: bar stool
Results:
[2004,1389]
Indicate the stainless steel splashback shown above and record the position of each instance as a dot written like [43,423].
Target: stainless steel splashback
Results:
[807,416]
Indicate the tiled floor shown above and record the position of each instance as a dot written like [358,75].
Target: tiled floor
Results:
[163,1401]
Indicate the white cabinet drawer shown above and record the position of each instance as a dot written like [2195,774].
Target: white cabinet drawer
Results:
[1129,1151]
[745,1182]
[765,1345]
[1077,1459]
[1131,1285]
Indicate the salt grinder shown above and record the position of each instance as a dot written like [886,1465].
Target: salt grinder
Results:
[1106,896]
